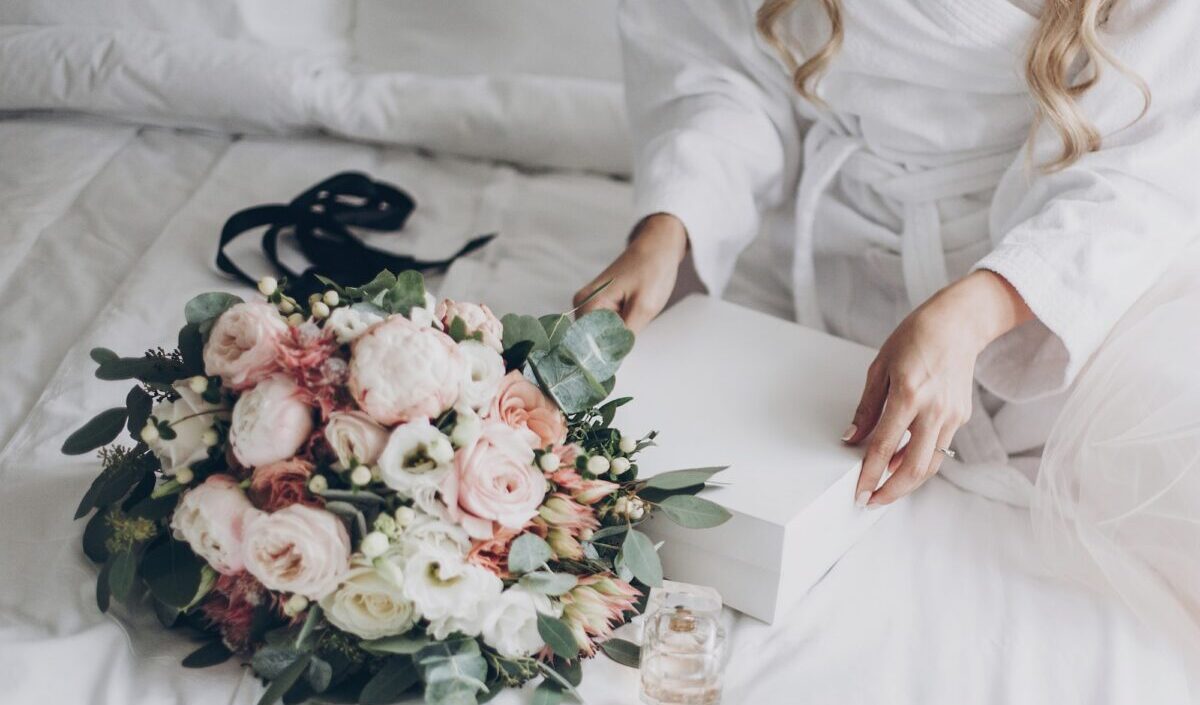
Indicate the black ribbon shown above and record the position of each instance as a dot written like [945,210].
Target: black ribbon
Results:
[320,219]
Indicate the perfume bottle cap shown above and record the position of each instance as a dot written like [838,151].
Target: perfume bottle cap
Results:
[682,620]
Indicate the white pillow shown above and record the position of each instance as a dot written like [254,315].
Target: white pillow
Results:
[567,38]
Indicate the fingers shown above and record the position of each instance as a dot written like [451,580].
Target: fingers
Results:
[637,313]
[870,404]
[916,467]
[888,435]
[611,298]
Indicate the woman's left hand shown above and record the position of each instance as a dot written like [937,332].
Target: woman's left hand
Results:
[922,382]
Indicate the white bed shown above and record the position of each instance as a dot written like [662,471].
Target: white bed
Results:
[109,224]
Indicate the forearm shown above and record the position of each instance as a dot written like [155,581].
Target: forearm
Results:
[983,303]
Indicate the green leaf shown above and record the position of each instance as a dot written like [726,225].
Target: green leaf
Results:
[407,292]
[114,482]
[172,572]
[555,325]
[95,536]
[515,357]
[405,644]
[458,329]
[571,386]
[122,569]
[552,584]
[679,479]
[102,355]
[102,593]
[167,615]
[528,553]
[694,512]
[570,670]
[558,636]
[375,290]
[397,675]
[319,674]
[206,307]
[451,692]
[609,411]
[284,682]
[599,341]
[270,661]
[623,652]
[138,404]
[557,677]
[638,554]
[100,431]
[518,329]
[145,369]
[456,659]
[191,347]
[211,654]
[547,693]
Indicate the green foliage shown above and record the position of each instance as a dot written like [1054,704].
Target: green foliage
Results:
[578,372]
[206,307]
[285,680]
[138,404]
[210,654]
[393,679]
[123,469]
[623,652]
[101,430]
[454,672]
[122,570]
[172,572]
[552,584]
[680,479]
[407,292]
[528,553]
[558,636]
[638,554]
[405,644]
[547,693]
[694,512]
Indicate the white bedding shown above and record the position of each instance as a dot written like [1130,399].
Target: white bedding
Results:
[108,228]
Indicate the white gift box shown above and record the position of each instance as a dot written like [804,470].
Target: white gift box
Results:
[724,385]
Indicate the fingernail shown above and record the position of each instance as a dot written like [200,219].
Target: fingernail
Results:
[874,505]
[849,432]
[861,500]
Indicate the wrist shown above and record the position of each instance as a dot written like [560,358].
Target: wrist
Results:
[660,235]
[985,304]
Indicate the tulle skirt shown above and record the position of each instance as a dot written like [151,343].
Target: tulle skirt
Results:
[1117,501]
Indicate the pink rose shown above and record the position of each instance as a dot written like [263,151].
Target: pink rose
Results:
[352,435]
[243,343]
[297,549]
[211,518]
[521,405]
[400,371]
[270,422]
[478,319]
[494,482]
[282,484]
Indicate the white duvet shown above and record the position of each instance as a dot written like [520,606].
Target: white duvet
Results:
[109,227]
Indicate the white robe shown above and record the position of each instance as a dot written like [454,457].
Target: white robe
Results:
[916,174]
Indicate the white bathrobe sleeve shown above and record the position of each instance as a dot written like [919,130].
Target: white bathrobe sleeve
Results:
[716,138]
[1082,244]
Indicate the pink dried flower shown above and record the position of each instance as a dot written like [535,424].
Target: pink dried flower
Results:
[560,511]
[594,607]
[306,353]
[230,607]
[493,553]
[592,491]
[282,484]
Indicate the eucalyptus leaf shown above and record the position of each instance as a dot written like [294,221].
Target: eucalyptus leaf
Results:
[599,341]
[102,355]
[623,652]
[571,670]
[638,554]
[122,569]
[519,328]
[555,325]
[406,644]
[694,512]
[558,636]
[285,680]
[457,662]
[607,531]
[528,553]
[679,479]
[552,584]
[547,693]
[206,307]
[515,356]
[407,292]
[172,572]
[573,387]
[273,659]
[397,675]
[557,677]
[100,431]
[451,692]
[211,654]
[319,674]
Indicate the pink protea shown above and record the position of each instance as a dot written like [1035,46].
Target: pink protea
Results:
[596,606]
[592,491]
[230,607]
[492,553]
[306,353]
[562,512]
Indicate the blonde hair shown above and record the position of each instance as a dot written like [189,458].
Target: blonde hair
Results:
[1067,30]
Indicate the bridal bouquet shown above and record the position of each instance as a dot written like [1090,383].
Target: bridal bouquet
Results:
[368,493]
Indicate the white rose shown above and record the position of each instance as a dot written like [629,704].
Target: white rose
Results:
[485,370]
[370,604]
[449,592]
[189,417]
[510,625]
[415,460]
[354,436]
[298,549]
[428,532]
[211,518]
[400,371]
[270,422]
[348,323]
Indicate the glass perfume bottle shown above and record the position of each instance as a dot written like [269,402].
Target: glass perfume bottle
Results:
[683,657]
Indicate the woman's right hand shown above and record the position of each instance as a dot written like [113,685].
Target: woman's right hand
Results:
[643,277]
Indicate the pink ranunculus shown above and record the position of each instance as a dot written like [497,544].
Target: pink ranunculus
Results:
[521,405]
[298,549]
[211,518]
[243,344]
[282,484]
[400,371]
[354,436]
[494,482]
[478,318]
[270,422]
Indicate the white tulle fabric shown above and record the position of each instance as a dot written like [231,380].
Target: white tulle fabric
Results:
[1117,503]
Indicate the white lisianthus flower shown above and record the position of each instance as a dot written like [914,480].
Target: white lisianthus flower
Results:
[468,426]
[449,592]
[348,323]
[189,417]
[426,531]
[270,422]
[355,436]
[484,371]
[510,625]
[370,604]
[415,460]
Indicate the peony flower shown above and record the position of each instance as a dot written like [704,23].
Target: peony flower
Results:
[510,625]
[243,343]
[449,592]
[189,417]
[400,371]
[231,606]
[353,436]
[211,518]
[595,606]
[494,480]
[370,604]
[484,370]
[348,323]
[281,484]
[520,404]
[415,462]
[270,422]
[431,533]
[297,549]
[478,319]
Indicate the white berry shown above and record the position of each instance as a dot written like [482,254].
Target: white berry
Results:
[374,544]
[331,298]
[628,445]
[295,319]
[405,516]
[267,286]
[286,307]
[598,464]
[318,484]
[620,466]
[361,475]
[320,309]
[198,384]
[209,438]
[184,475]
[150,433]
[549,462]
[295,605]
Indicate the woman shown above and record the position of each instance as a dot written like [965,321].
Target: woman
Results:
[981,188]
